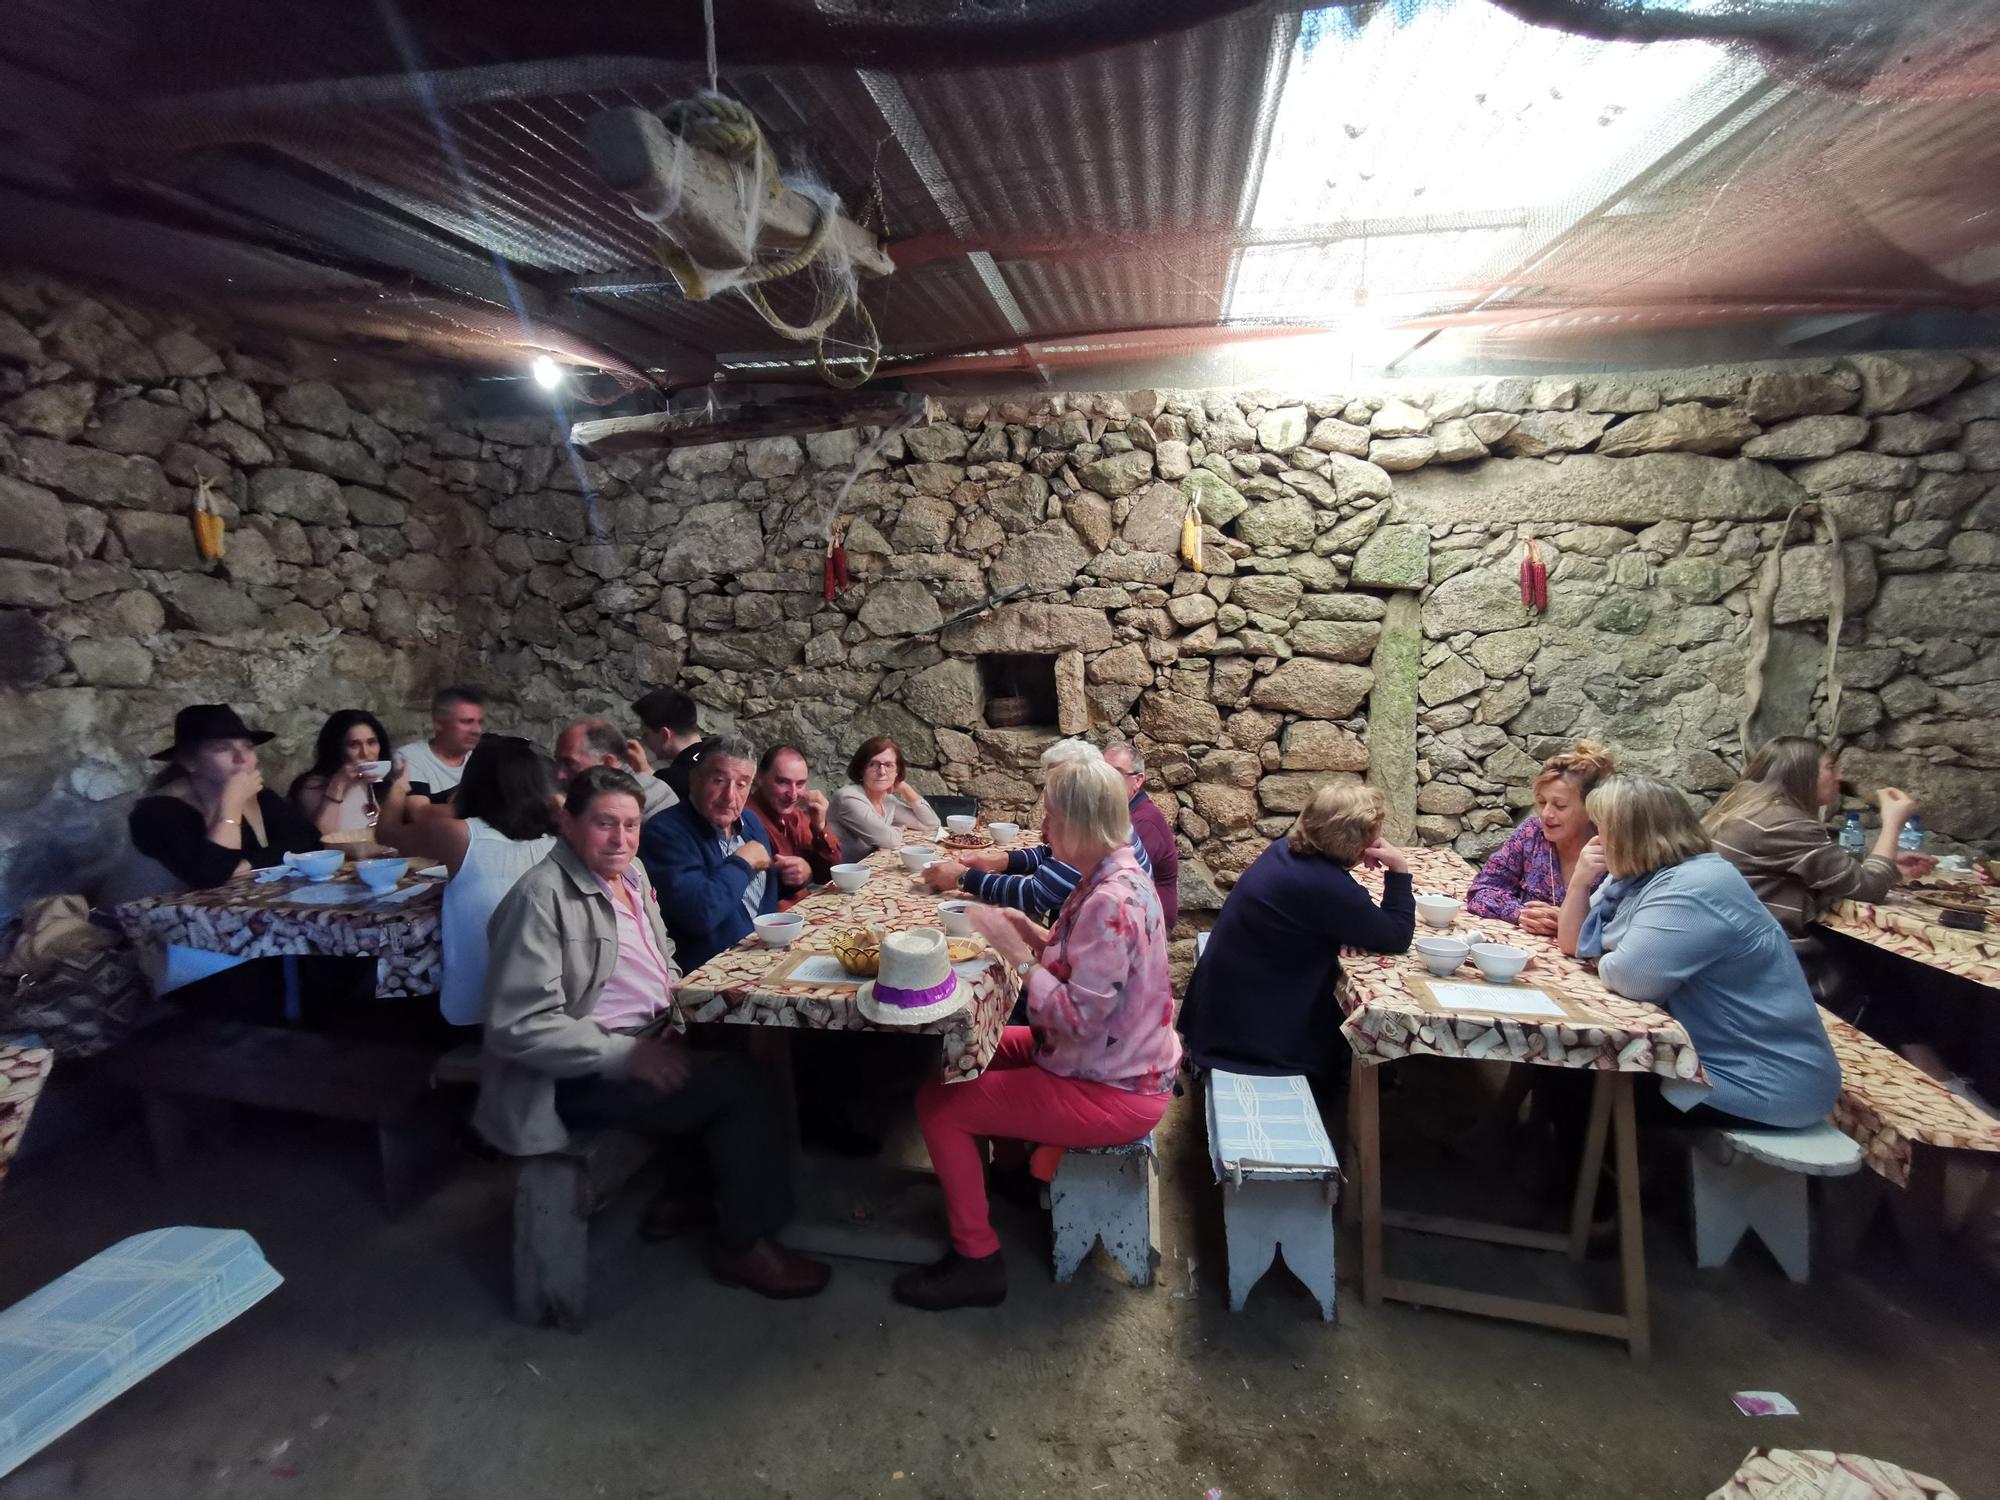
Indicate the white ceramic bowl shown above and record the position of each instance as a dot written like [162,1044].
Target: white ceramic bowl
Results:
[956,917]
[960,823]
[917,857]
[1499,962]
[778,929]
[319,864]
[1004,833]
[381,874]
[850,878]
[1437,911]
[1441,955]
[374,770]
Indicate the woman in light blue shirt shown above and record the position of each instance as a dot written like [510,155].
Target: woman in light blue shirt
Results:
[1677,926]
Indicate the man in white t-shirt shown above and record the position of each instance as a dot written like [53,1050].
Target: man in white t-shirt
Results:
[458,717]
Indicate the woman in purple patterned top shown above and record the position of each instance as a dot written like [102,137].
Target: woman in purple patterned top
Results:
[1525,879]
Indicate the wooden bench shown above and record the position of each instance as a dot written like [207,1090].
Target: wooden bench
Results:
[1112,1194]
[555,1197]
[372,1083]
[1747,1179]
[1279,1181]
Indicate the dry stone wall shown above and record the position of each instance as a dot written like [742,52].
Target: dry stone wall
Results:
[1359,615]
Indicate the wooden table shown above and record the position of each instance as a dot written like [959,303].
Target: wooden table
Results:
[1613,1038]
[246,918]
[871,1210]
[1911,930]
[23,1071]
[737,987]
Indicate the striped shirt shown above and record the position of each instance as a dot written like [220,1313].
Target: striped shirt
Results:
[1035,881]
[1797,871]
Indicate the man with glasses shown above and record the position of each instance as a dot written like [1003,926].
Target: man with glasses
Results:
[1150,826]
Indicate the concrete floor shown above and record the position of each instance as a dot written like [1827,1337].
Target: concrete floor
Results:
[387,1365]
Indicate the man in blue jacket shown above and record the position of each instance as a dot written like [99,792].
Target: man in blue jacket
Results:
[711,858]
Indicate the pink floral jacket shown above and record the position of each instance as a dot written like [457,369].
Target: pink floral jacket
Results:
[1099,1001]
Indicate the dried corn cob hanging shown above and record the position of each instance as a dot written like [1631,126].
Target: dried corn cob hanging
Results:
[1191,535]
[207,523]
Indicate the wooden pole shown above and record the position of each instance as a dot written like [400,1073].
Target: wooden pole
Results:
[785,416]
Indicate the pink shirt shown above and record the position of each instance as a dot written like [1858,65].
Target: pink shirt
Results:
[640,982]
[1099,1000]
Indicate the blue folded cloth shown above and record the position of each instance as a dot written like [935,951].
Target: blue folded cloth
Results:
[94,1333]
[1604,903]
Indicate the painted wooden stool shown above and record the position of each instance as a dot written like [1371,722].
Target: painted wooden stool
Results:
[1279,1181]
[1754,1179]
[1108,1193]
[555,1197]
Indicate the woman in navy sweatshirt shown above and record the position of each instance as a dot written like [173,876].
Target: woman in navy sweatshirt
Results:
[1261,999]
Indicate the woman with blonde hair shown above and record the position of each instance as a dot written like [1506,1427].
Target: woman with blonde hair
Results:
[1675,925]
[1768,826]
[1095,1064]
[1524,880]
[1261,999]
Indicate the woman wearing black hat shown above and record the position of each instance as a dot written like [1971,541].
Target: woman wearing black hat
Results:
[209,816]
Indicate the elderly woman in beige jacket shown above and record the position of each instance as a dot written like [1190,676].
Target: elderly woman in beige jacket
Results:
[581,1030]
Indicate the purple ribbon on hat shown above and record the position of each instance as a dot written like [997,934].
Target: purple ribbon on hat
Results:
[914,999]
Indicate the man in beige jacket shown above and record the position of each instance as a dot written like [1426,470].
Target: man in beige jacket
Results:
[581,1030]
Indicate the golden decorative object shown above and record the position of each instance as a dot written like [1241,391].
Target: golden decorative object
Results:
[859,950]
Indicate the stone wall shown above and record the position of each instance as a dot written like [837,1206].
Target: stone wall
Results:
[1360,613]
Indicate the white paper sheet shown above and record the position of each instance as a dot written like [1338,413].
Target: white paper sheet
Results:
[1496,1000]
[822,968]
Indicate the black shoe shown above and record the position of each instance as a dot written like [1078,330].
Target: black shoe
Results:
[955,1281]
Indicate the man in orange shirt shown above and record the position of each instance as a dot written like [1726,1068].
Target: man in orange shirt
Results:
[796,818]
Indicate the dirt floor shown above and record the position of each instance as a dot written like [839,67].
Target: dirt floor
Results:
[387,1365]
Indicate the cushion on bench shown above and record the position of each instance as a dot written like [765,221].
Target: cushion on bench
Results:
[1266,1128]
[95,1332]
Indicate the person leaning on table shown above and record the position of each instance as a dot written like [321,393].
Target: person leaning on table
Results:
[208,815]
[580,1031]
[1095,1064]
[1676,925]
[1524,880]
[877,807]
[1261,999]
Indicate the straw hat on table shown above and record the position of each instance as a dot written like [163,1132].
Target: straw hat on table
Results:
[916,982]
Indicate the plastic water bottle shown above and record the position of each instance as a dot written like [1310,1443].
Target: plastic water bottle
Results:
[1852,839]
[1911,839]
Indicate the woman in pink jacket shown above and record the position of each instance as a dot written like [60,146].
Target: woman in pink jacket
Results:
[1095,1064]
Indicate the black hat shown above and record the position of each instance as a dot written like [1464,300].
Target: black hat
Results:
[200,722]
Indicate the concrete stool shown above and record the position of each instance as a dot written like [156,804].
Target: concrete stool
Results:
[1279,1181]
[1755,1179]
[1108,1193]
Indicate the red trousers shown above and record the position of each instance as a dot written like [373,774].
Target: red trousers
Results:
[1016,1100]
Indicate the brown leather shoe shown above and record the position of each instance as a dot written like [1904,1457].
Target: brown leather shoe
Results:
[770,1270]
[955,1281]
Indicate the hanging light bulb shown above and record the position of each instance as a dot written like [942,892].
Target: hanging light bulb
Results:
[548,374]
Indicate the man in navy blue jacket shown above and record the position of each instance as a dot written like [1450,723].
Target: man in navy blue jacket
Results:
[711,858]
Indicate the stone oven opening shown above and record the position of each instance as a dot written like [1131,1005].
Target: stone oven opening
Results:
[1019,691]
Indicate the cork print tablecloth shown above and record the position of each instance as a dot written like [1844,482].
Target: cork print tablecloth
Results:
[1386,1021]
[1811,1474]
[23,1071]
[1888,1105]
[246,919]
[1913,931]
[736,987]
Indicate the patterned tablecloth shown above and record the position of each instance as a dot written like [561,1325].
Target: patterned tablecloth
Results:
[1814,1474]
[1386,1021]
[246,919]
[1912,929]
[23,1071]
[1885,1103]
[737,987]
